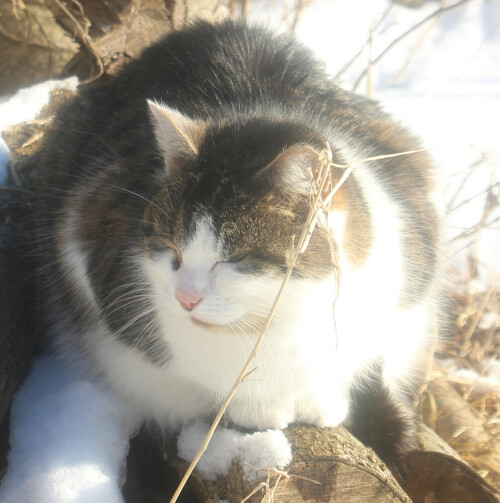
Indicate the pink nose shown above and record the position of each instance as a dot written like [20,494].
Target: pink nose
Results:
[188,300]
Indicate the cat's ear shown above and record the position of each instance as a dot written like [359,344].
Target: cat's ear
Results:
[291,170]
[177,136]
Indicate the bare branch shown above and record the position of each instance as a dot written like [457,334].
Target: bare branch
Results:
[437,12]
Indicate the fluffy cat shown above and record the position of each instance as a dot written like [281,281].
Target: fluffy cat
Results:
[168,199]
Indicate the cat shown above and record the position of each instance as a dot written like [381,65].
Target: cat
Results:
[168,198]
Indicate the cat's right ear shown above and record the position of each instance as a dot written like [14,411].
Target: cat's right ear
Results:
[288,172]
[177,135]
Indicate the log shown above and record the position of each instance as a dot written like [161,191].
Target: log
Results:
[328,465]
[461,424]
[436,473]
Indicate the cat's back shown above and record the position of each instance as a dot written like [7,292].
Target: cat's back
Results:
[216,72]
[221,73]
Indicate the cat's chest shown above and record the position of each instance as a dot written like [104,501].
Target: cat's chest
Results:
[214,358]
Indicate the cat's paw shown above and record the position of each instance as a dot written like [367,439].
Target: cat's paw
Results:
[276,418]
[257,451]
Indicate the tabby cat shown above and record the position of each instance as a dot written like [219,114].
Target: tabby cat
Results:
[169,196]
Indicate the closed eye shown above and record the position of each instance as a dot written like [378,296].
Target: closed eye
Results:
[176,260]
[236,258]
[161,248]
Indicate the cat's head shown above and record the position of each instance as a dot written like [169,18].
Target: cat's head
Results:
[233,199]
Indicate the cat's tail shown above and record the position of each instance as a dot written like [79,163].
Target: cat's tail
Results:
[383,421]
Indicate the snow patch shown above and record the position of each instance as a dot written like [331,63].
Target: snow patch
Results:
[27,102]
[487,380]
[24,106]
[69,439]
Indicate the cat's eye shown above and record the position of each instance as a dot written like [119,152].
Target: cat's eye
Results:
[176,260]
[162,248]
[237,258]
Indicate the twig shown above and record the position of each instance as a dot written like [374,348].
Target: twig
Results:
[437,12]
[299,7]
[478,50]
[85,40]
[475,196]
[358,54]
[270,490]
[414,51]
[80,7]
[472,231]
[15,5]
[470,171]
[243,6]
[369,68]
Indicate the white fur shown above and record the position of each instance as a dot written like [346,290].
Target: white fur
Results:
[205,363]
[74,259]
[369,319]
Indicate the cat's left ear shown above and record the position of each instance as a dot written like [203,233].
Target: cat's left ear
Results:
[178,136]
[290,171]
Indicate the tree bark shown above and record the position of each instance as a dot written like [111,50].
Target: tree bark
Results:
[46,39]
[17,300]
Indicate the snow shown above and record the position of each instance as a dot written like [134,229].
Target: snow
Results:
[487,380]
[23,106]
[258,451]
[79,431]
[443,81]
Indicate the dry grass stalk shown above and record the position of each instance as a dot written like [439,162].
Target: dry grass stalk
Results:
[322,193]
[291,260]
[470,425]
[269,486]
[373,32]
[84,39]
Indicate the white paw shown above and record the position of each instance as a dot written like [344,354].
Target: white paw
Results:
[257,451]
[274,417]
